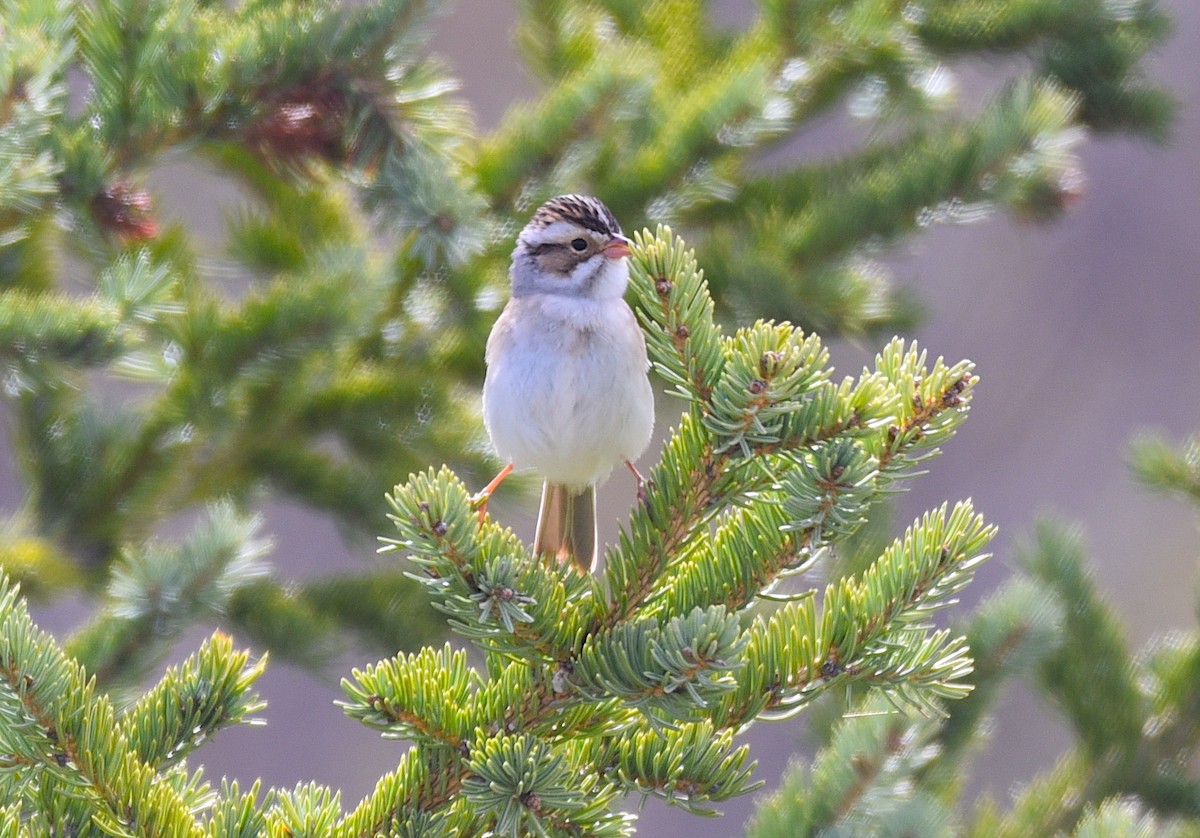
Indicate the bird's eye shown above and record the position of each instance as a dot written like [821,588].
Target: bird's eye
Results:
[579,245]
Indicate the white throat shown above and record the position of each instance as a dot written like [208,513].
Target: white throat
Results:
[608,283]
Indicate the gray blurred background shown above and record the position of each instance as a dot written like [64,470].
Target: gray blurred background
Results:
[1084,332]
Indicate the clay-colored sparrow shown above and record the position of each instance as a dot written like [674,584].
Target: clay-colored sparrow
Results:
[566,392]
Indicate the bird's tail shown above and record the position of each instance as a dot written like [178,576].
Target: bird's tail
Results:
[566,526]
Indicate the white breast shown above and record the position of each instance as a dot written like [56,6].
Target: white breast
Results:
[566,392]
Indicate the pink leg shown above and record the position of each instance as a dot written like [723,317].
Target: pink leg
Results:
[480,499]
[641,481]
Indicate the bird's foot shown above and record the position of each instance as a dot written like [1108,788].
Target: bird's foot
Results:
[479,500]
[642,496]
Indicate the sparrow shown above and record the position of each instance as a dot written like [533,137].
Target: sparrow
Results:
[567,392]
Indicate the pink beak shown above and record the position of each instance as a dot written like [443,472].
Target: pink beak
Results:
[617,247]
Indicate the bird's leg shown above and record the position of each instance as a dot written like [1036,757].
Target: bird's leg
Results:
[641,481]
[479,500]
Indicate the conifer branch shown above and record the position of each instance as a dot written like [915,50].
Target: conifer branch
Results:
[486,581]
[859,781]
[530,137]
[308,809]
[192,702]
[1082,45]
[581,666]
[36,329]
[79,740]
[1127,755]
[1094,654]
[235,814]
[417,791]
[695,766]
[36,564]
[1166,467]
[1018,151]
[153,597]
[760,392]
[1009,635]
[308,623]
[423,696]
